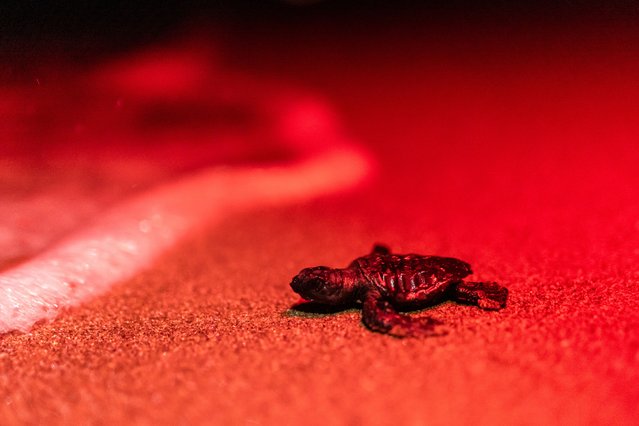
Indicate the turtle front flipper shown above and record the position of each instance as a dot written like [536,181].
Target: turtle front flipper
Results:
[379,315]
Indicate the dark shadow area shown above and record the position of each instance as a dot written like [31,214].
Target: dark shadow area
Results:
[84,29]
[314,310]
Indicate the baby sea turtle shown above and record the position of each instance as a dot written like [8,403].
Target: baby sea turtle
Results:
[384,282]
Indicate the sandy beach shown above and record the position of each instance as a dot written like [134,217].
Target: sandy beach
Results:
[525,167]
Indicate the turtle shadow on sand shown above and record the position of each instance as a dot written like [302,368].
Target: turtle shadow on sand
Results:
[313,309]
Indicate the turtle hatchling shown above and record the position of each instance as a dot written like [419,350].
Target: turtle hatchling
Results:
[384,283]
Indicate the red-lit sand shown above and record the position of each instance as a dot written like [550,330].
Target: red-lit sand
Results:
[524,167]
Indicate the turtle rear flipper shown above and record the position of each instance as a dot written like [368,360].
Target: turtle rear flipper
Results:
[379,315]
[486,295]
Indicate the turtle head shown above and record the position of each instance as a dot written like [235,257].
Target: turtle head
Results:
[322,284]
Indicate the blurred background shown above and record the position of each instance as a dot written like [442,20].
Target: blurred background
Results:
[423,71]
